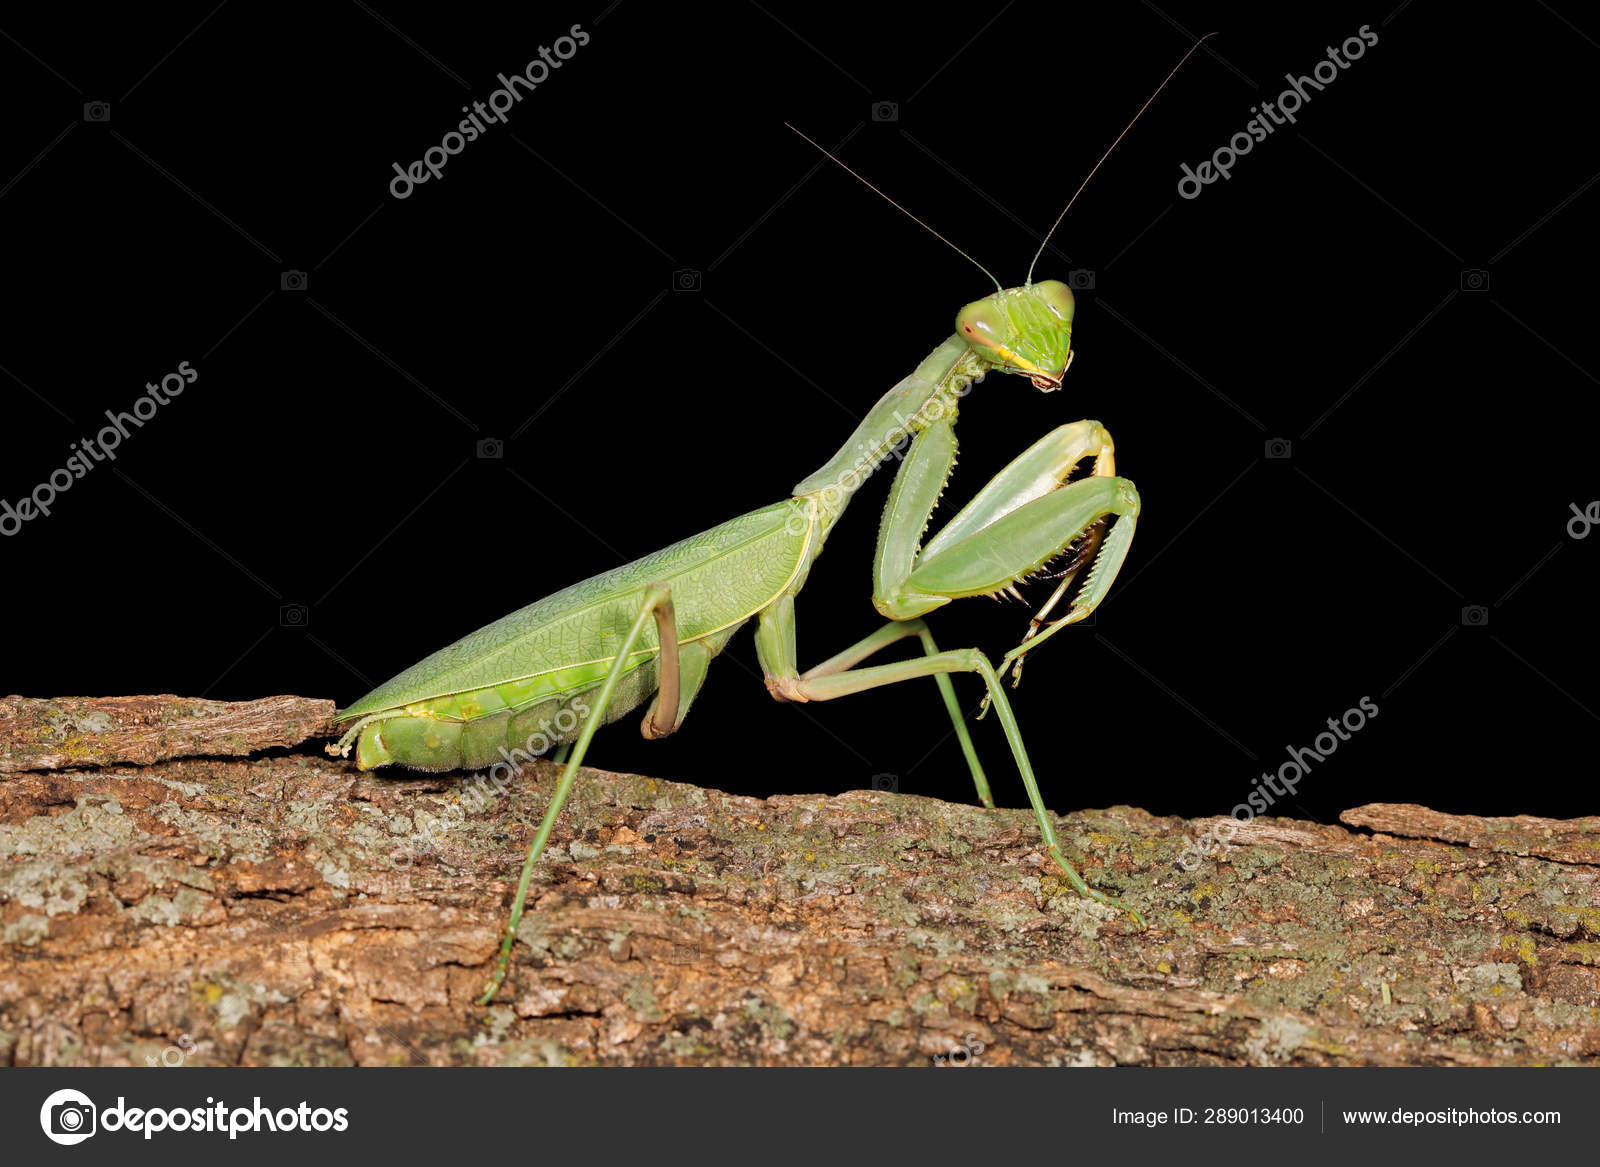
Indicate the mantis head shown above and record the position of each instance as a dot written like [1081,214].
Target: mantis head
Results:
[1026,330]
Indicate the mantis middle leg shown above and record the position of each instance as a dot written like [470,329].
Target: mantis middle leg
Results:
[775,641]
[788,685]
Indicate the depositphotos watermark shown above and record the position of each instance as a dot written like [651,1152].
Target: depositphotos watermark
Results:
[1271,114]
[1272,786]
[90,452]
[173,1056]
[894,443]
[493,111]
[964,1054]
[70,1116]
[1584,521]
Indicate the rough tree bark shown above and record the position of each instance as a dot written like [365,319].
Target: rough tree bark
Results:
[159,906]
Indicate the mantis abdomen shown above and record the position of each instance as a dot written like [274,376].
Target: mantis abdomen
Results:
[458,733]
[530,681]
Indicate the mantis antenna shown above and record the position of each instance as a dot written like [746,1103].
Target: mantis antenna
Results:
[897,206]
[1107,154]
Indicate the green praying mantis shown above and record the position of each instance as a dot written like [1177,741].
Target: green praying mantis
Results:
[558,669]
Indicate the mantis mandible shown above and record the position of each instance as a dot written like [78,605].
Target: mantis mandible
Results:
[557,670]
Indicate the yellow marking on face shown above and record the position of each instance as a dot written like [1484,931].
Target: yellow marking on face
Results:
[1022,363]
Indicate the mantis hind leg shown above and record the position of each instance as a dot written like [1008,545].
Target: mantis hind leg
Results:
[841,683]
[657,597]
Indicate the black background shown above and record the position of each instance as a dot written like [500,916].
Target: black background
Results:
[312,515]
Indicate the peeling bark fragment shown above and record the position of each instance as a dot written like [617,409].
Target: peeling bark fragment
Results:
[68,732]
[1563,840]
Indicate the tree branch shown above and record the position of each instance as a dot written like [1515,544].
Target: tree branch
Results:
[160,904]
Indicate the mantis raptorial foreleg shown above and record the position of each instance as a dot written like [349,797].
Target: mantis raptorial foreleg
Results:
[1034,473]
[1107,562]
[1025,516]
[1039,470]
[658,598]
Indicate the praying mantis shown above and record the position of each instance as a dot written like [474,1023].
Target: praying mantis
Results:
[560,668]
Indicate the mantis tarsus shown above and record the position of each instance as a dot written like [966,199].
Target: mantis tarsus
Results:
[560,668]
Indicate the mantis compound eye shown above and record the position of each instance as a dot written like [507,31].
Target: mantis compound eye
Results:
[981,325]
[1058,296]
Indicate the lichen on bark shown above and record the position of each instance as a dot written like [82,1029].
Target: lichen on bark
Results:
[286,910]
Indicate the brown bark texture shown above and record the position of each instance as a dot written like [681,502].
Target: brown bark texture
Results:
[169,894]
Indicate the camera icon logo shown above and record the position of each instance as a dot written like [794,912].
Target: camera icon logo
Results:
[292,280]
[1474,279]
[68,1117]
[294,616]
[1279,449]
[886,111]
[1474,616]
[889,782]
[686,279]
[491,449]
[97,111]
[1080,279]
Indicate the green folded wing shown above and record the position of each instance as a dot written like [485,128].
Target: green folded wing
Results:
[719,579]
